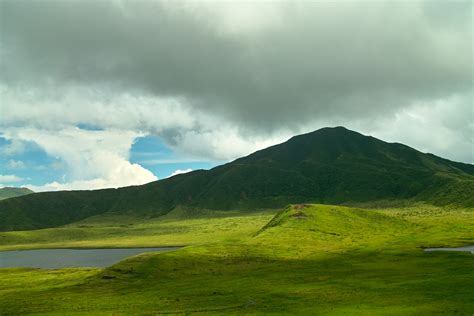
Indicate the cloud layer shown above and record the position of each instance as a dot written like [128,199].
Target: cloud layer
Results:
[217,80]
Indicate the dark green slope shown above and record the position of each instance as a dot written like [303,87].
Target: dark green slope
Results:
[331,165]
[9,192]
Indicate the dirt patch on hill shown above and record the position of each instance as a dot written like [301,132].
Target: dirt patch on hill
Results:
[299,215]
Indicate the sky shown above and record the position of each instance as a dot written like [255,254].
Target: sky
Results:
[110,93]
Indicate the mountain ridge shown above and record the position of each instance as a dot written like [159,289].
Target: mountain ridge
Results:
[330,165]
[10,192]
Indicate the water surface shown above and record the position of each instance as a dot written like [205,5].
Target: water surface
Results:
[465,248]
[62,258]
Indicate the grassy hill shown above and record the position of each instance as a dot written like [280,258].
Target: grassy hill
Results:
[331,166]
[305,260]
[9,192]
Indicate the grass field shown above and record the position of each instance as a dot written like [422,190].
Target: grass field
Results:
[306,259]
[175,229]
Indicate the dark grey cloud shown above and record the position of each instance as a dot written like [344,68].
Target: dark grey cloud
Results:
[260,67]
[317,60]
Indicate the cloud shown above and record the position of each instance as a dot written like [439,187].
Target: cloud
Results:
[198,135]
[179,171]
[94,159]
[224,143]
[9,178]
[434,127]
[79,105]
[15,146]
[15,164]
[134,172]
[305,59]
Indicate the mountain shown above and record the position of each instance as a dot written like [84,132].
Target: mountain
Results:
[9,192]
[330,165]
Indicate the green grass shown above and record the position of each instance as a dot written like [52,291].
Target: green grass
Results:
[316,259]
[175,229]
[9,192]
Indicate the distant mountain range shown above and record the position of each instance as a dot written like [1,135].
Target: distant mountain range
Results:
[9,192]
[330,165]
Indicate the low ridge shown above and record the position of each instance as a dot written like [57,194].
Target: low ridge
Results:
[9,192]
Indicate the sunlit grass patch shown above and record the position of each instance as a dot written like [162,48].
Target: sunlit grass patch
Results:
[310,259]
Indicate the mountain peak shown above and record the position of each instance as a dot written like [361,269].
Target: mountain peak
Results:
[332,133]
[339,130]
[331,165]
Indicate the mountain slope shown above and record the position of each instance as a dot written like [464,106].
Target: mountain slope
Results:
[330,165]
[9,192]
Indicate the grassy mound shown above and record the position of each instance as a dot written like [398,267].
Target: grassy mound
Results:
[307,259]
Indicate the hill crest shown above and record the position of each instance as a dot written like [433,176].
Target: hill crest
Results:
[9,192]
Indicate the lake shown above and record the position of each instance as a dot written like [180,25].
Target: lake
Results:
[62,258]
[465,248]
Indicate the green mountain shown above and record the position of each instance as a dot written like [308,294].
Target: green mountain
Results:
[330,165]
[9,192]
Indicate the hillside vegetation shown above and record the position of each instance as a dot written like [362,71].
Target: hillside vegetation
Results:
[306,259]
[330,166]
[9,192]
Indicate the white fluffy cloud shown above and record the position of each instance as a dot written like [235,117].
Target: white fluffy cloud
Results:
[9,178]
[179,171]
[94,158]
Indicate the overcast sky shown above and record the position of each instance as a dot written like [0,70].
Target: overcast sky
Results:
[101,93]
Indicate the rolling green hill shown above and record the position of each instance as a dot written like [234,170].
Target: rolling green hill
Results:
[330,166]
[306,260]
[9,192]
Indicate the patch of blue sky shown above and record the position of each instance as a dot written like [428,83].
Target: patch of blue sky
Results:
[89,127]
[152,153]
[31,164]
